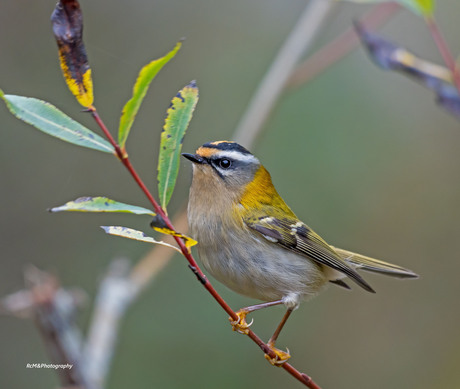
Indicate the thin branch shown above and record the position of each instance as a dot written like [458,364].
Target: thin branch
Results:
[116,292]
[53,309]
[444,49]
[297,43]
[346,42]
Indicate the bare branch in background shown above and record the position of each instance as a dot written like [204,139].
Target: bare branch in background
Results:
[390,56]
[344,44]
[53,309]
[296,45]
[444,50]
[116,293]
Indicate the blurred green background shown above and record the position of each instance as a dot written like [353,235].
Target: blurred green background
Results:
[363,156]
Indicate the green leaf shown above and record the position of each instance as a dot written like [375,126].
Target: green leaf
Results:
[145,77]
[130,233]
[47,118]
[426,6]
[420,7]
[177,120]
[101,204]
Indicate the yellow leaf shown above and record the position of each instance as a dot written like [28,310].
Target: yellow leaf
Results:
[67,24]
[189,242]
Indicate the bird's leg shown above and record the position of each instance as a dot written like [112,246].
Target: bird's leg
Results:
[240,325]
[280,356]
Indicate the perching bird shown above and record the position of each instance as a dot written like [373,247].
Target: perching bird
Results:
[251,241]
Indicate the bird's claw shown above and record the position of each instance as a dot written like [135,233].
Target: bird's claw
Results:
[280,358]
[241,325]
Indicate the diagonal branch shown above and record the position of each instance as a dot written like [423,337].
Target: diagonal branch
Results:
[53,310]
[444,49]
[342,45]
[116,293]
[298,42]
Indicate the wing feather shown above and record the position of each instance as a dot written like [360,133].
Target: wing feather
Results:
[375,265]
[298,237]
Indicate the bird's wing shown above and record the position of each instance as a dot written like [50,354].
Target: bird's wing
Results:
[296,236]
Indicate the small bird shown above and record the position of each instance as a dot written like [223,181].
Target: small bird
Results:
[251,241]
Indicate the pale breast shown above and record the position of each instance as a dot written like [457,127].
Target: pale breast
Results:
[240,258]
[252,266]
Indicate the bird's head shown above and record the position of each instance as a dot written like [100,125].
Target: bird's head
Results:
[223,164]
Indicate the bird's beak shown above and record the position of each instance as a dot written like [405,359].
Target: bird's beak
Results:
[195,158]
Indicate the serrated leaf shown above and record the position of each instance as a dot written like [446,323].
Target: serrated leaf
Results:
[189,242]
[47,118]
[101,204]
[67,23]
[177,120]
[130,233]
[145,77]
[420,7]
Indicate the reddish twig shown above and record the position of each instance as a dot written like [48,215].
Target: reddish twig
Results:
[443,48]
[193,265]
[342,45]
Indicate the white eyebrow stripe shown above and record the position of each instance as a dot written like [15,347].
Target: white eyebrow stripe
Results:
[236,155]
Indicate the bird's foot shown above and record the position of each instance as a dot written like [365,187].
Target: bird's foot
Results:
[280,356]
[241,325]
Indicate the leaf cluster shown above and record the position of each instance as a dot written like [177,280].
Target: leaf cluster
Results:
[67,25]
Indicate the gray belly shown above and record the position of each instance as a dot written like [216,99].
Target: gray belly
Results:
[256,268]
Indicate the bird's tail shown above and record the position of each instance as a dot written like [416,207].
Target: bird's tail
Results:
[374,265]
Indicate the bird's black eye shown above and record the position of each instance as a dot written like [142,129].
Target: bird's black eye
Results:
[224,163]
